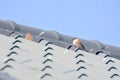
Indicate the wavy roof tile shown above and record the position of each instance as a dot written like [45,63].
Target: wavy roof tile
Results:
[47,58]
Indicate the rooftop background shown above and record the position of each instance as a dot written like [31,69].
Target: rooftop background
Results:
[88,19]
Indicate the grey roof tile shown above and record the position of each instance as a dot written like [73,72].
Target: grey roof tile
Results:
[50,67]
[5,76]
[58,39]
[44,60]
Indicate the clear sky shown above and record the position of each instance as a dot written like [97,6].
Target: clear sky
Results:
[87,19]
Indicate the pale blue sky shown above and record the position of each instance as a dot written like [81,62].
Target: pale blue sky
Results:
[87,19]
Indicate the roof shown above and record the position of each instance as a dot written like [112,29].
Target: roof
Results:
[48,57]
[9,27]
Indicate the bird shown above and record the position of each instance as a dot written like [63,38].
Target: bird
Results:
[28,37]
[77,43]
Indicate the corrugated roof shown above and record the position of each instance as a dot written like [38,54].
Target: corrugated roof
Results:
[48,57]
[9,27]
[22,60]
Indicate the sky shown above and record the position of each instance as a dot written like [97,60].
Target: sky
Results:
[86,19]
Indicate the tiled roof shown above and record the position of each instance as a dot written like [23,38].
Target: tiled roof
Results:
[47,59]
[9,27]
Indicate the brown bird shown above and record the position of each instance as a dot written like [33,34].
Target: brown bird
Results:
[77,43]
[28,37]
